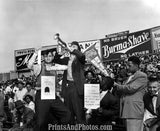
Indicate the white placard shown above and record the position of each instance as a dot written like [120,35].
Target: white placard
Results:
[91,96]
[47,87]
[39,57]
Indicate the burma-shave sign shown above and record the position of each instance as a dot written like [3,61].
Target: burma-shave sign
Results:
[137,43]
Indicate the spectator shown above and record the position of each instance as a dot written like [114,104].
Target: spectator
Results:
[132,106]
[90,77]
[109,105]
[29,101]
[8,88]
[21,92]
[152,105]
[30,90]
[2,116]
[15,88]
[24,118]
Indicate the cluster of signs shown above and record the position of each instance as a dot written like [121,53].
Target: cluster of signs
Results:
[22,57]
[125,44]
[113,47]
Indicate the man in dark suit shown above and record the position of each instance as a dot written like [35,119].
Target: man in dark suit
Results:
[109,105]
[73,82]
[132,92]
[152,105]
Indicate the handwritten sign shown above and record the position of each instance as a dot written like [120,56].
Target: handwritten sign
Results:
[92,96]
[47,87]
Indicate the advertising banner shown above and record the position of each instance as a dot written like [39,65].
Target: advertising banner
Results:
[122,33]
[22,57]
[155,32]
[136,43]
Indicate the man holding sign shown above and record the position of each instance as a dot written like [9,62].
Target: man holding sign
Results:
[106,109]
[45,98]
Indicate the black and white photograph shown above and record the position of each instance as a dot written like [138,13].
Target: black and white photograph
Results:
[79,65]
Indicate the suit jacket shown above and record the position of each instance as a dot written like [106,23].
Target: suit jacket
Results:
[110,109]
[109,105]
[148,104]
[77,71]
[27,117]
[131,104]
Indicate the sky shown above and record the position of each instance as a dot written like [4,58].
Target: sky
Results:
[33,23]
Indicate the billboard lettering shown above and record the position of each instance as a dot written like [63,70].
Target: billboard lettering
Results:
[131,44]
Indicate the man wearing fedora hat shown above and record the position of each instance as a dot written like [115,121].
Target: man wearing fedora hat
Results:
[24,118]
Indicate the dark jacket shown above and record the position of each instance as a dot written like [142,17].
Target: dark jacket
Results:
[148,104]
[27,118]
[110,110]
[77,71]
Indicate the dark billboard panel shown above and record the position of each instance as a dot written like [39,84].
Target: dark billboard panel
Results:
[137,43]
[22,57]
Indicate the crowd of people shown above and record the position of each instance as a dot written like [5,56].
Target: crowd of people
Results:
[129,96]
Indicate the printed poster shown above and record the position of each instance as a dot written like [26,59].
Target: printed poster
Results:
[47,87]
